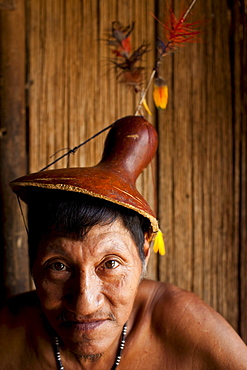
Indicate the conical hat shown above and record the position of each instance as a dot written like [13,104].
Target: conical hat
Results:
[129,147]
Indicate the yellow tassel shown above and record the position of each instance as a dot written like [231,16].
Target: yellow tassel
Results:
[159,244]
[160,93]
[145,104]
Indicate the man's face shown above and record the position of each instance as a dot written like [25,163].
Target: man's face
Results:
[87,288]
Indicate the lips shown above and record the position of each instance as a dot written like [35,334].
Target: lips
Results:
[83,325]
[71,320]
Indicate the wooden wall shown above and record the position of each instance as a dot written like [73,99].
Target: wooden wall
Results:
[202,161]
[198,181]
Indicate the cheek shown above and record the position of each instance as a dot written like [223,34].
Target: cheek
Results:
[50,293]
[123,291]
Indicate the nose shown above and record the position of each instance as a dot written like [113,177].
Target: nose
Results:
[85,294]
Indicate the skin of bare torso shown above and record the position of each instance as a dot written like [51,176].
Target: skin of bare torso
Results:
[87,290]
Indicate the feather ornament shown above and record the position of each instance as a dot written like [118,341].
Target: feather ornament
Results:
[145,104]
[160,93]
[127,61]
[177,32]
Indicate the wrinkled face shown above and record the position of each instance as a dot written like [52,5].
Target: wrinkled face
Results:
[87,288]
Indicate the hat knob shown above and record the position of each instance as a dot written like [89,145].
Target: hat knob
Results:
[129,147]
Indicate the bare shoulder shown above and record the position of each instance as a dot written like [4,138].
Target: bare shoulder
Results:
[181,320]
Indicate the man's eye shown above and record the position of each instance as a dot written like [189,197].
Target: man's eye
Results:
[58,266]
[111,264]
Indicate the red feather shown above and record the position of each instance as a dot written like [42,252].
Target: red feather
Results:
[178,31]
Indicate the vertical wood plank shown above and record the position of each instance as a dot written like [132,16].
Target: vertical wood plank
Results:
[238,37]
[14,274]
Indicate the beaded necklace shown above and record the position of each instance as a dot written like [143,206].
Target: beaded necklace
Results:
[118,357]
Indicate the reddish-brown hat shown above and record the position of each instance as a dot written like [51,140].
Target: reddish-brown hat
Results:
[129,147]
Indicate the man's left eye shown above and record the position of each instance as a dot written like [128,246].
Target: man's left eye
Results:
[111,264]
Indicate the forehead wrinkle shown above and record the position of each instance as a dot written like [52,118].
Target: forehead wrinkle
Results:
[109,245]
[54,245]
[110,242]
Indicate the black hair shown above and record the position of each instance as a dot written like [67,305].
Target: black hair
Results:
[74,214]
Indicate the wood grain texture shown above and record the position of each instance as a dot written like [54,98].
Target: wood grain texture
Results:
[197,132]
[238,37]
[14,271]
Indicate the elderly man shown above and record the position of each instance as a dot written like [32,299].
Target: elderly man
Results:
[89,240]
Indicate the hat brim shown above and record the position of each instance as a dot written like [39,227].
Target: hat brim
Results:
[93,181]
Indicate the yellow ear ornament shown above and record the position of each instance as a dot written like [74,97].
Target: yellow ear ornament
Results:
[159,244]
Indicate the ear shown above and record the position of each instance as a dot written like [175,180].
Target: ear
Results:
[146,248]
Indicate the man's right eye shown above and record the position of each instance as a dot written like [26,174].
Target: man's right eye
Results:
[58,266]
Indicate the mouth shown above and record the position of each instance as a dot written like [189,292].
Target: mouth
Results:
[83,326]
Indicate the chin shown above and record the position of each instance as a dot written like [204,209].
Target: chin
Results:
[87,340]
[88,349]
[86,356]
[91,358]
